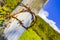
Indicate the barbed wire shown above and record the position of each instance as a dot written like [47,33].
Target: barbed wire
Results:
[28,10]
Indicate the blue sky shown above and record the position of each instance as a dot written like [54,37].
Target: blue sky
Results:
[53,7]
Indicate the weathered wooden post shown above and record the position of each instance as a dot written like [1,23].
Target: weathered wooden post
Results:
[14,27]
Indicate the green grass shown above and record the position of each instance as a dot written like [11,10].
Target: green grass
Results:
[32,35]
[40,31]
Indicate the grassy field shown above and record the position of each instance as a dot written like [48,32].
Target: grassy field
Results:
[40,31]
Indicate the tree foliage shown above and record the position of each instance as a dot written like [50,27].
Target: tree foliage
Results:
[7,8]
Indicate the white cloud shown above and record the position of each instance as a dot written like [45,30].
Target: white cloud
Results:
[44,14]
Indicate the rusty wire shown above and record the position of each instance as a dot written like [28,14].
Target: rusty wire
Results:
[28,10]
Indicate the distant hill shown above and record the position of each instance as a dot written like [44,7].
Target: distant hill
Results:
[40,30]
